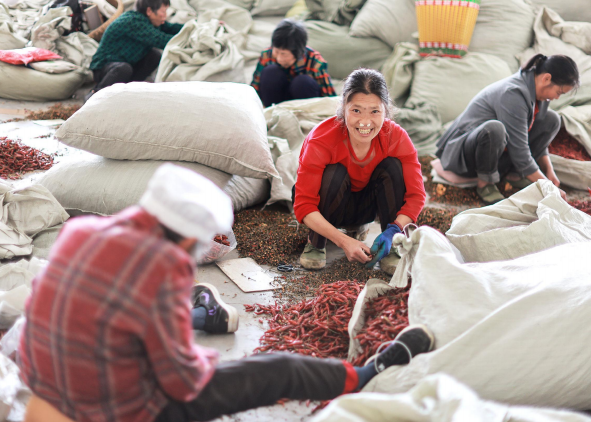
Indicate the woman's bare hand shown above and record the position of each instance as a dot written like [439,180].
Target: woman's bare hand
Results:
[356,250]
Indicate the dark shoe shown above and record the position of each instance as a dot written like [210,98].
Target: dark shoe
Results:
[517,184]
[221,317]
[410,342]
[490,194]
[313,258]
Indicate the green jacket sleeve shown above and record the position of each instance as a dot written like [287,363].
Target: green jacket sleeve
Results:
[170,28]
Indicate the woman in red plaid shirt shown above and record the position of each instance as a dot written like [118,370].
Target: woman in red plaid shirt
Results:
[290,70]
[108,335]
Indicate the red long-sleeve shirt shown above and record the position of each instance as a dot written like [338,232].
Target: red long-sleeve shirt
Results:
[328,143]
[108,335]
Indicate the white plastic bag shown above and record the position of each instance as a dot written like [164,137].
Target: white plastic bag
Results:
[217,250]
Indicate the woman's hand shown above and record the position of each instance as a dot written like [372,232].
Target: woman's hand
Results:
[356,250]
[553,178]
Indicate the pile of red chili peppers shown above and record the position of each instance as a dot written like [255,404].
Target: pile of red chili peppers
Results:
[16,159]
[385,317]
[315,327]
[566,146]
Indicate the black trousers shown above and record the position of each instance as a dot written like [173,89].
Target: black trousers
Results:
[383,197]
[260,380]
[275,86]
[485,153]
[122,72]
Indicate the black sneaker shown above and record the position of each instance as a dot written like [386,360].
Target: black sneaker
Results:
[221,317]
[410,342]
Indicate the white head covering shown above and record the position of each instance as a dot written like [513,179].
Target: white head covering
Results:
[188,204]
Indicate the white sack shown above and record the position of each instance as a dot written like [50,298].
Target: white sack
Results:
[514,331]
[572,10]
[44,240]
[392,21]
[14,394]
[291,121]
[9,39]
[201,52]
[98,185]
[271,7]
[546,22]
[503,29]
[54,66]
[15,288]
[19,273]
[533,219]
[23,213]
[31,85]
[437,398]
[342,52]
[450,84]
[573,173]
[220,125]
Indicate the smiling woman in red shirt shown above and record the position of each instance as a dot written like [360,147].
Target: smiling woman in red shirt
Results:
[355,166]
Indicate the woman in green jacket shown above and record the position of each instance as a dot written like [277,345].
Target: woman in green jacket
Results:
[127,52]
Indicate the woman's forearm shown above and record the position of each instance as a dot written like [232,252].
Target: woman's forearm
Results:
[316,222]
[403,220]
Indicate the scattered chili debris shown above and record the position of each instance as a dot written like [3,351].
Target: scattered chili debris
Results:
[56,111]
[582,205]
[568,147]
[385,317]
[16,159]
[298,286]
[222,239]
[447,194]
[436,217]
[269,237]
[315,327]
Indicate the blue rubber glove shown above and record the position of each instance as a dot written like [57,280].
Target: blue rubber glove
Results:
[381,246]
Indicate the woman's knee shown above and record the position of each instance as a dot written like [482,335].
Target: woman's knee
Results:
[122,71]
[390,166]
[493,132]
[273,73]
[552,120]
[335,174]
[304,86]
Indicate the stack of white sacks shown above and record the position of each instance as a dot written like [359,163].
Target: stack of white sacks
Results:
[215,129]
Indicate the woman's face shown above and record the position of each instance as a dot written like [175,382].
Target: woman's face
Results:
[364,117]
[157,17]
[284,57]
[548,91]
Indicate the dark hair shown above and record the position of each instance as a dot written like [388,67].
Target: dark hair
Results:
[142,5]
[365,81]
[563,69]
[171,234]
[290,35]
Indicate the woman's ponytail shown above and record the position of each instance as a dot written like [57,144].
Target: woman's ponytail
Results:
[535,61]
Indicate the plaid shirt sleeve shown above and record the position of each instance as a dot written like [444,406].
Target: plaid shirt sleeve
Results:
[264,60]
[182,367]
[317,68]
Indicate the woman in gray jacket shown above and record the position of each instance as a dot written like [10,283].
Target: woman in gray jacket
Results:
[506,129]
